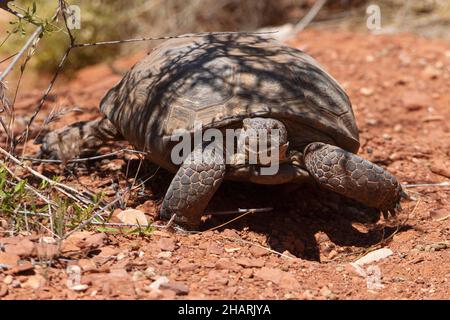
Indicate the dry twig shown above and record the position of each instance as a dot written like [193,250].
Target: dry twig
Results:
[69,191]
[106,155]
[418,185]
[309,17]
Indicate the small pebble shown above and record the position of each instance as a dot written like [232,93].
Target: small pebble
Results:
[80,287]
[8,280]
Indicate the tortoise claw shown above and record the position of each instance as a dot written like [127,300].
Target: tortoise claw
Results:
[392,211]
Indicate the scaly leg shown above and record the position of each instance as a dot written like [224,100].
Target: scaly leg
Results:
[81,138]
[193,186]
[354,177]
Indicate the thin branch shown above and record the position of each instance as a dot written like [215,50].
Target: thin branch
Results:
[106,155]
[220,213]
[88,221]
[28,187]
[232,220]
[417,185]
[145,181]
[3,99]
[46,93]
[306,20]
[37,33]
[6,59]
[63,6]
[69,191]
[191,35]
[9,136]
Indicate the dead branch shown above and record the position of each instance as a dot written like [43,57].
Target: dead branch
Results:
[45,95]
[418,185]
[221,213]
[106,155]
[232,220]
[191,35]
[27,44]
[309,17]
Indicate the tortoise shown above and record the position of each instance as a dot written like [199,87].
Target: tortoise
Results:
[234,81]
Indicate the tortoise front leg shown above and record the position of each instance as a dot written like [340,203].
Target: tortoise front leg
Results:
[196,181]
[80,138]
[354,177]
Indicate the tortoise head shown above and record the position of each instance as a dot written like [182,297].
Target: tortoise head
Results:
[262,138]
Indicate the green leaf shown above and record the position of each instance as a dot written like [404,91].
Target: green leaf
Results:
[107,229]
[20,186]
[141,231]
[44,184]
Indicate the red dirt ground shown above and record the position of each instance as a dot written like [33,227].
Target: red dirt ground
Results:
[399,87]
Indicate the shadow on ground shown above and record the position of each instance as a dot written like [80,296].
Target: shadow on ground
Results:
[299,213]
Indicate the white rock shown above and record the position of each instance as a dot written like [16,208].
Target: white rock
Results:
[373,256]
[359,270]
[366,91]
[8,279]
[164,254]
[158,282]
[133,216]
[80,287]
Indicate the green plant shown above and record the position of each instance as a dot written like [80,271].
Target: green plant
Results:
[98,23]
[16,199]
[23,211]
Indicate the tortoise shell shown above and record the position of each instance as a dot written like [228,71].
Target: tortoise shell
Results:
[222,79]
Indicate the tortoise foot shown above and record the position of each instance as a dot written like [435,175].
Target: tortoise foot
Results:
[193,186]
[354,177]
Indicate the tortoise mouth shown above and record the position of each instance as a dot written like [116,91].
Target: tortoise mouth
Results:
[265,155]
